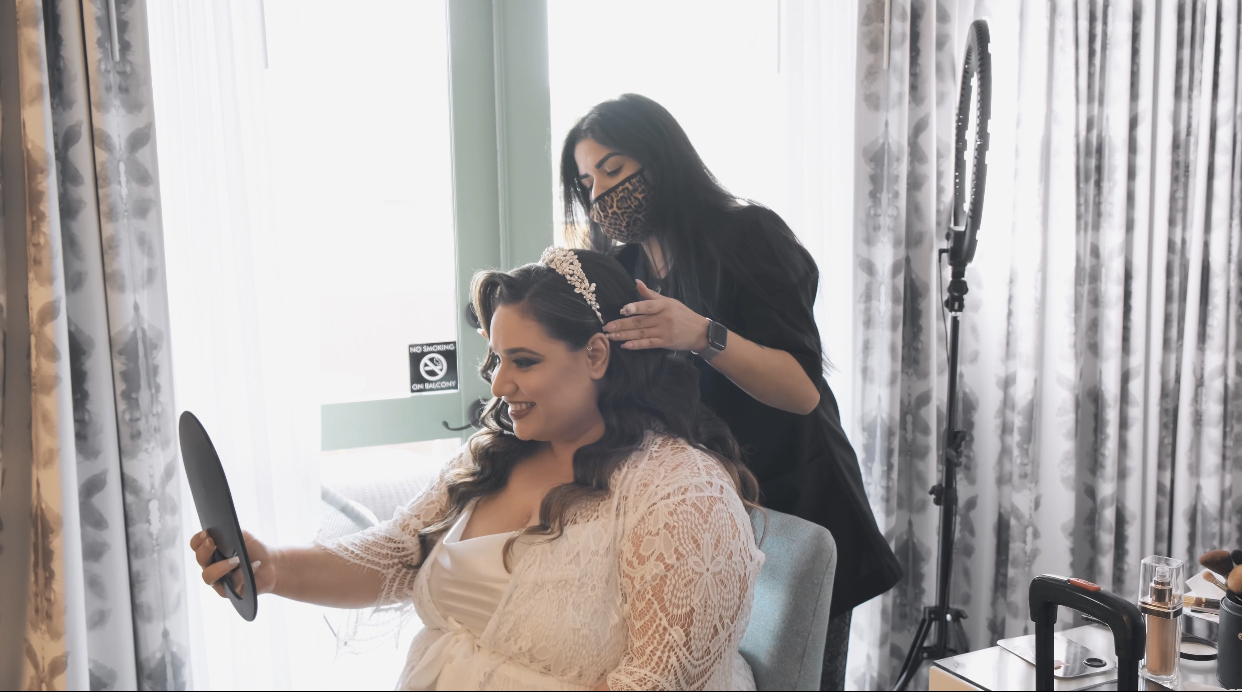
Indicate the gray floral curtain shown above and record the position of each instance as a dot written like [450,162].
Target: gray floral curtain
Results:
[1101,351]
[91,561]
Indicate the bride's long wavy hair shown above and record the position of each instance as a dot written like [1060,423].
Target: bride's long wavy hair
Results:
[641,391]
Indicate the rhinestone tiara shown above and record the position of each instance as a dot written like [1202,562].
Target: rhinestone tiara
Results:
[566,263]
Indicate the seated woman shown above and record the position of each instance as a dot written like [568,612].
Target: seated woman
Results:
[594,533]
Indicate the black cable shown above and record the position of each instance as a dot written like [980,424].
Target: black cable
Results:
[944,314]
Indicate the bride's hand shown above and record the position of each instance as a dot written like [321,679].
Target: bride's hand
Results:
[262,563]
[659,322]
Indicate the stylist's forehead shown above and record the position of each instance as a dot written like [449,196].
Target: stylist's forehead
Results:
[601,167]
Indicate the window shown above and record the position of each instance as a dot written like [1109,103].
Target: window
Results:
[712,64]
[306,177]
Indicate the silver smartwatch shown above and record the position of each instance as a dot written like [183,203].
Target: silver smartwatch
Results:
[717,339]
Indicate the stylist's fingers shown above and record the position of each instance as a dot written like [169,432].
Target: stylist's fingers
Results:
[197,539]
[639,344]
[644,307]
[647,293]
[635,334]
[628,324]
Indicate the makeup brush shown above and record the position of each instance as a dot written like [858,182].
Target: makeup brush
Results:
[1210,577]
[1235,581]
[1219,561]
[1236,556]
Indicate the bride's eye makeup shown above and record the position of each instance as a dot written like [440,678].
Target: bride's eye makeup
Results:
[522,358]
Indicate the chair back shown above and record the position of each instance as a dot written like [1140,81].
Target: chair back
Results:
[784,642]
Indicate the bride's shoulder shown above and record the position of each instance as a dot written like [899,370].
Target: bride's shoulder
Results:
[666,467]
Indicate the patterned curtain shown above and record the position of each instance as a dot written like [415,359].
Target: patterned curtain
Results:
[1100,344]
[91,561]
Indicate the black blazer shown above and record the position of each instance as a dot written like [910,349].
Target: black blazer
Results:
[804,463]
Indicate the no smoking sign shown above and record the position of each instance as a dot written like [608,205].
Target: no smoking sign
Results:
[433,367]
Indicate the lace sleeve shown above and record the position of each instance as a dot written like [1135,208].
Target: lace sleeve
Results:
[688,570]
[392,547]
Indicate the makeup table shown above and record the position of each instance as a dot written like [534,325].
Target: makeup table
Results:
[998,669]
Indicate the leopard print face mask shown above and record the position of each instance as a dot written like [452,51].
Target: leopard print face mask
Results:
[621,211]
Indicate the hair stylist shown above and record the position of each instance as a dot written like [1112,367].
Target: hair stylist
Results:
[730,282]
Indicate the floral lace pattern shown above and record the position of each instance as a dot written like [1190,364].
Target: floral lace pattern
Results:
[650,588]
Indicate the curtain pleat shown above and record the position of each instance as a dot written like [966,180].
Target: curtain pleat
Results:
[1100,354]
[55,614]
[105,595]
[110,629]
[1202,475]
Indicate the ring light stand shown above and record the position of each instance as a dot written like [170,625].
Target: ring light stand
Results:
[962,238]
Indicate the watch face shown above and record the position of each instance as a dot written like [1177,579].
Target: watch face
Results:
[717,335]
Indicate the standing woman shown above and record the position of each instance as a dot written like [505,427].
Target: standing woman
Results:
[728,282]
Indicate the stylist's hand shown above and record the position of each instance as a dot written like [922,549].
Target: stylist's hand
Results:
[262,562]
[659,322]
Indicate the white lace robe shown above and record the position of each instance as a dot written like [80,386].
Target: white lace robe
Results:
[651,589]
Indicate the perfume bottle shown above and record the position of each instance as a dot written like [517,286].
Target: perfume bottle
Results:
[1161,587]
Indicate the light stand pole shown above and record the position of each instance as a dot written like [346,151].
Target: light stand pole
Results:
[962,237]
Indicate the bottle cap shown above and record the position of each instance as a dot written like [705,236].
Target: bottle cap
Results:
[1162,586]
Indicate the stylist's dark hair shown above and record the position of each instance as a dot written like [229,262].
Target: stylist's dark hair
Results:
[709,236]
[688,200]
[641,391]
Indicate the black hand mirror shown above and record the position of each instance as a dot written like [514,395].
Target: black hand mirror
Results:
[215,509]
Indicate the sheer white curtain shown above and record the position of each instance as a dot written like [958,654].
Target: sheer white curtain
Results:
[817,57]
[241,313]
[301,178]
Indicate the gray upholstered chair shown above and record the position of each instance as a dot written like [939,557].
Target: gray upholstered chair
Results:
[784,642]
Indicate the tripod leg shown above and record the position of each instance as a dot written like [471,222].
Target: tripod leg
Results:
[914,657]
[963,640]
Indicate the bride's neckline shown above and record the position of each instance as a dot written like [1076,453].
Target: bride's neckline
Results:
[463,521]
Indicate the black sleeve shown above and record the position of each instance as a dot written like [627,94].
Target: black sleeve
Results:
[775,287]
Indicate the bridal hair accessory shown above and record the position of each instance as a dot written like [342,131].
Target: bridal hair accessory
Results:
[566,263]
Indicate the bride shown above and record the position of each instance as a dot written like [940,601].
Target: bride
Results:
[593,535]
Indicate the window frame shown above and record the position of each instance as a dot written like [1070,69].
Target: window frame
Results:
[500,120]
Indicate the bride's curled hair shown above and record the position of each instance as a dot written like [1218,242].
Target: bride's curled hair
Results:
[641,391]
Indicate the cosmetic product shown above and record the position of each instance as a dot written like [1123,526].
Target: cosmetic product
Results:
[1195,648]
[1161,591]
[1210,577]
[1201,602]
[1229,642]
[1234,582]
[1219,561]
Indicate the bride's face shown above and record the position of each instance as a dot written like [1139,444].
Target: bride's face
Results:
[550,389]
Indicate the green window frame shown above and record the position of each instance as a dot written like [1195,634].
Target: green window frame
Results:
[500,118]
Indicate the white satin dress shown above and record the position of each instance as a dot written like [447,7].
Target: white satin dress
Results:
[466,580]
